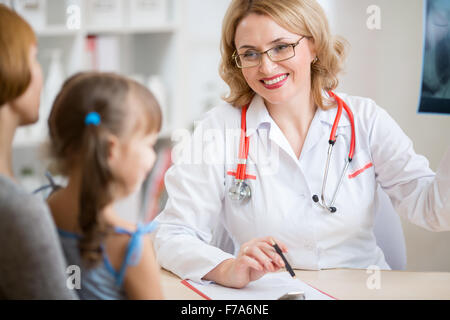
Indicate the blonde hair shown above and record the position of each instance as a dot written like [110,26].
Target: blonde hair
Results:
[16,39]
[305,17]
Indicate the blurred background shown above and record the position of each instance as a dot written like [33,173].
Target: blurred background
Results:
[172,46]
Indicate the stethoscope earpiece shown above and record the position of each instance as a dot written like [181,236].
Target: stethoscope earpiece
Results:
[330,209]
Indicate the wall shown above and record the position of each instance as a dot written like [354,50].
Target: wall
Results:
[202,54]
[385,65]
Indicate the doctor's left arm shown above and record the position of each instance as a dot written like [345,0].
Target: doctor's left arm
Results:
[417,193]
[195,186]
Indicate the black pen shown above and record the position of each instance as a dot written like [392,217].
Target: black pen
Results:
[286,263]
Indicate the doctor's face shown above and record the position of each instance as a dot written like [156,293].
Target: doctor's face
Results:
[277,82]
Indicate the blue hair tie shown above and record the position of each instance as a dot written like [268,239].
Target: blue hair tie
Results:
[92,118]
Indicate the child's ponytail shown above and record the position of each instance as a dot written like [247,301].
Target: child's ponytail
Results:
[95,193]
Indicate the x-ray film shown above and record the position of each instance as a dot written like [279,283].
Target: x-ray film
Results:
[435,92]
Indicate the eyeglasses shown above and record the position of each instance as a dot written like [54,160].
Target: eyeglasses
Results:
[252,58]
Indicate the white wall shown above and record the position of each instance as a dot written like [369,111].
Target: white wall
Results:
[385,65]
[202,24]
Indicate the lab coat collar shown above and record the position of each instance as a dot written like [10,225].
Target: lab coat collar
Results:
[329,115]
[257,115]
[315,133]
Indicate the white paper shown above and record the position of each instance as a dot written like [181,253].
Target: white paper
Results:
[270,287]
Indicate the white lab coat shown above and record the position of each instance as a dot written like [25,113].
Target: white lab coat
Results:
[199,209]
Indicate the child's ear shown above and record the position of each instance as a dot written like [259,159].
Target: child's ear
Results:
[113,151]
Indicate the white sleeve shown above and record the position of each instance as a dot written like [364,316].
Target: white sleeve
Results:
[192,212]
[416,192]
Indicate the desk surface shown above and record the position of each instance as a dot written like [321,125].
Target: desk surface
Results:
[348,284]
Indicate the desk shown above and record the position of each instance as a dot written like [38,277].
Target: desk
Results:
[347,284]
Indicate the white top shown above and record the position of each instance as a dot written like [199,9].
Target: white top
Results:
[281,204]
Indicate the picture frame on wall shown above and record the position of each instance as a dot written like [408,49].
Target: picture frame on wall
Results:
[435,89]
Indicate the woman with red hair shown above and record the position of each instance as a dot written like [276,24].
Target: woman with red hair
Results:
[32,264]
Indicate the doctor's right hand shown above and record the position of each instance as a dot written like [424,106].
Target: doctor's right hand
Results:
[255,258]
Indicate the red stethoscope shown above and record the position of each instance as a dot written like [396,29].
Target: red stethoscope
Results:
[241,191]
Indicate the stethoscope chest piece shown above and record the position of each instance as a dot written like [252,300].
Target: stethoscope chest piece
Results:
[240,191]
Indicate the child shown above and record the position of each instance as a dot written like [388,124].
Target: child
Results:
[102,131]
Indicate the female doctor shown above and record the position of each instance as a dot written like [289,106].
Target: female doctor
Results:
[274,181]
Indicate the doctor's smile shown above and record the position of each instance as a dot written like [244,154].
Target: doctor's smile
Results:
[275,82]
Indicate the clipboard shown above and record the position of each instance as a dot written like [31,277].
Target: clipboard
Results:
[270,287]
